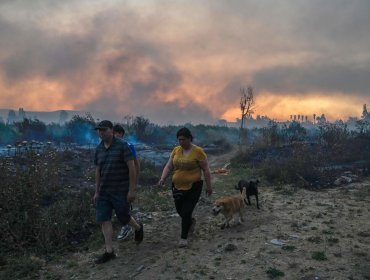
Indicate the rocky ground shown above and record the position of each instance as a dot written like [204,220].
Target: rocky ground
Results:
[297,234]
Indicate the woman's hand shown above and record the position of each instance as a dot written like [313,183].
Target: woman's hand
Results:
[161,182]
[209,191]
[166,170]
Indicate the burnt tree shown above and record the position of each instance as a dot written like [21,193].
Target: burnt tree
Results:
[246,107]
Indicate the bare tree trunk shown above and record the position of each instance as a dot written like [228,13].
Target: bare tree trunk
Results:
[241,129]
[246,107]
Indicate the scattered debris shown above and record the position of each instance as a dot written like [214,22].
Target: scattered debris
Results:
[220,171]
[347,178]
[303,180]
[140,268]
[278,242]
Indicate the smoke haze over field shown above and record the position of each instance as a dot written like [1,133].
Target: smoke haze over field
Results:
[185,61]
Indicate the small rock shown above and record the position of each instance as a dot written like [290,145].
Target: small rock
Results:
[347,179]
[339,181]
[230,247]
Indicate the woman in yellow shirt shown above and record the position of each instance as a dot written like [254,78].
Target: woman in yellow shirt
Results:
[187,161]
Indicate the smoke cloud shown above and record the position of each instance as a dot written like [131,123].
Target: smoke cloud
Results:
[185,62]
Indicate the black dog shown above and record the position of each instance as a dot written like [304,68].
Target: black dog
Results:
[251,189]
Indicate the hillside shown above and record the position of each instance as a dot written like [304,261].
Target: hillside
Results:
[49,117]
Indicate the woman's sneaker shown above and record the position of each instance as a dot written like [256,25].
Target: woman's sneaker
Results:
[125,232]
[183,243]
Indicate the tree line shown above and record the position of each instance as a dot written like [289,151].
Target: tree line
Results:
[80,130]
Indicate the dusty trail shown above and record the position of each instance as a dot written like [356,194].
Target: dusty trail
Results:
[326,235]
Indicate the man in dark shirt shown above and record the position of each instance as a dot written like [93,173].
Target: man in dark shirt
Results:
[115,186]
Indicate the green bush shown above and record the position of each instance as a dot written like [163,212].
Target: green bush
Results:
[152,200]
[37,214]
[319,256]
[303,163]
[292,155]
[21,268]
[289,248]
[149,173]
[274,273]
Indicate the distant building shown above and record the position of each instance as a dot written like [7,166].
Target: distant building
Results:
[63,116]
[12,117]
[249,122]
[221,122]
[21,114]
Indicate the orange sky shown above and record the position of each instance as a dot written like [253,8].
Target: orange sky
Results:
[187,62]
[282,108]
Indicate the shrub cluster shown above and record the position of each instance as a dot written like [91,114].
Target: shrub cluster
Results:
[80,130]
[36,212]
[310,160]
[149,173]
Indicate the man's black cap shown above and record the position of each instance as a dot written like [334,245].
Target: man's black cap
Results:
[104,124]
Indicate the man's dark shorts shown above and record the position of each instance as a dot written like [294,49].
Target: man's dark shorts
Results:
[108,201]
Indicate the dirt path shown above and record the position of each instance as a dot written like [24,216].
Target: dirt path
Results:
[326,235]
[218,161]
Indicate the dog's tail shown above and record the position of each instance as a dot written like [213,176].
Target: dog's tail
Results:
[244,193]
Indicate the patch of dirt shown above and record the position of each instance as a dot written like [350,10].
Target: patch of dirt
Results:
[326,235]
[219,161]
[334,222]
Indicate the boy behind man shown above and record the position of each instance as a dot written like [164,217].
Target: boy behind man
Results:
[119,132]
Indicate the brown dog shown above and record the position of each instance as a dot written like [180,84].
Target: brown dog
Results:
[229,206]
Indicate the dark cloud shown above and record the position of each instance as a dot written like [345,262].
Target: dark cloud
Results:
[142,73]
[230,95]
[33,52]
[323,28]
[116,107]
[338,23]
[173,113]
[315,78]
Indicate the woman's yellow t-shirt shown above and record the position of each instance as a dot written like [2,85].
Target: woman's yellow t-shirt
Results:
[187,169]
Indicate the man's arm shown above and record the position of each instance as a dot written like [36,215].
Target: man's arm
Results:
[97,184]
[132,179]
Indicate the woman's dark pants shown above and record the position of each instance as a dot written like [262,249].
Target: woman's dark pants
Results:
[185,202]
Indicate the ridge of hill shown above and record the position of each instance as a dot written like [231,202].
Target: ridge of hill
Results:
[48,116]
